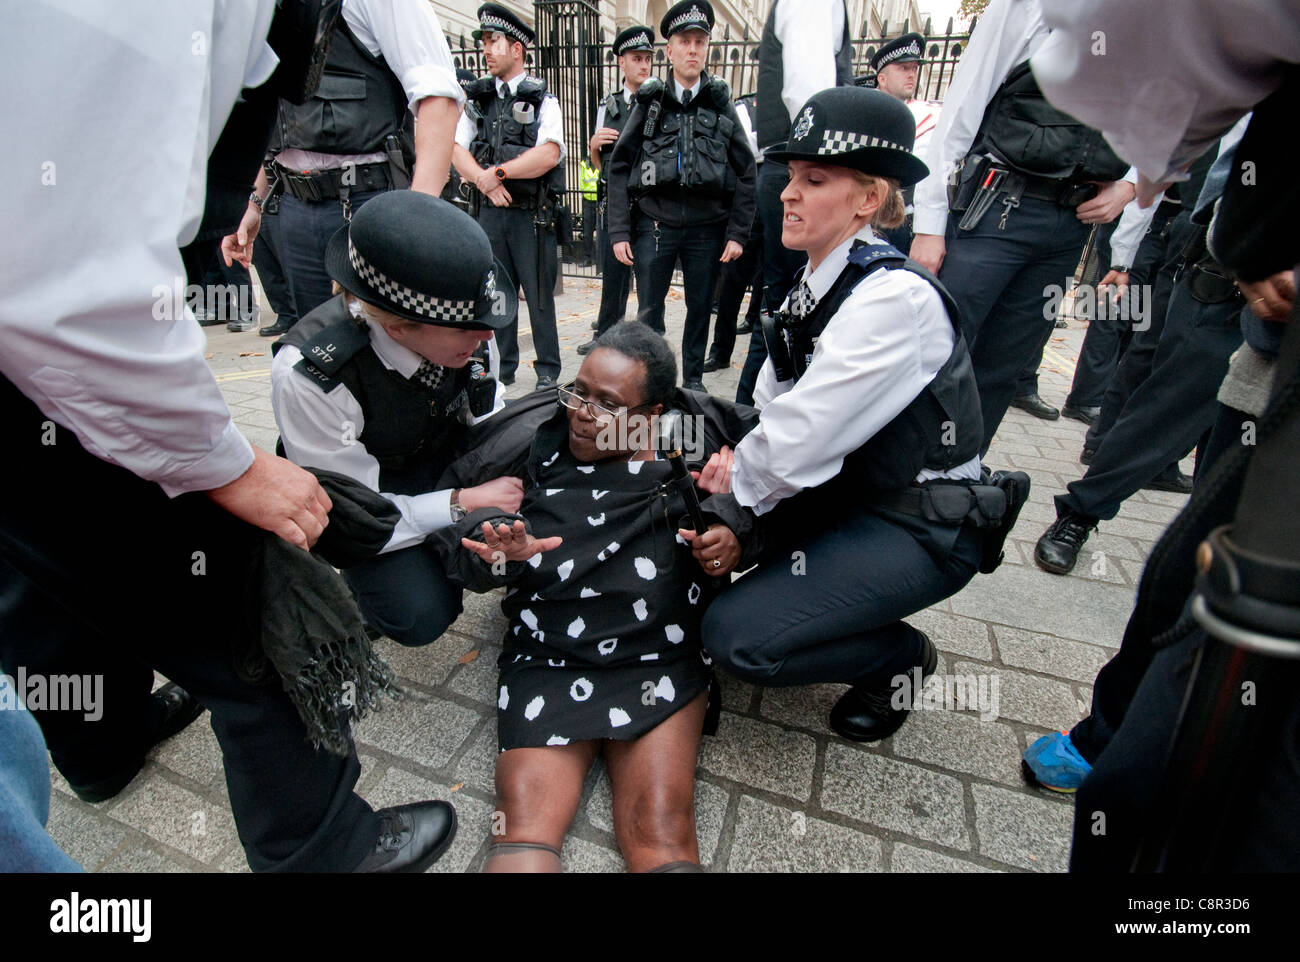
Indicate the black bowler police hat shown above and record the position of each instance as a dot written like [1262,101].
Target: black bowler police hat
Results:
[904,48]
[494,18]
[424,260]
[687,15]
[634,38]
[855,127]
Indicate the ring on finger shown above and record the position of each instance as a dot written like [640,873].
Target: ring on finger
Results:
[717,563]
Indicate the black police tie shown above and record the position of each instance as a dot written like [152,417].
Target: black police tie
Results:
[802,301]
[686,98]
[429,374]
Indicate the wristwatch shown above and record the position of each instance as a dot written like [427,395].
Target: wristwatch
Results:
[500,172]
[458,510]
[259,201]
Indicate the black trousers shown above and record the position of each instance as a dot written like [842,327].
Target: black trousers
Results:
[405,594]
[1169,412]
[268,258]
[532,263]
[738,276]
[616,281]
[102,575]
[999,278]
[780,266]
[829,607]
[1111,330]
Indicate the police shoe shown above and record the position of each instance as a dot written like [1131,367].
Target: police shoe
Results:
[507,378]
[1085,414]
[277,329]
[745,327]
[175,708]
[1087,454]
[545,383]
[585,349]
[1036,406]
[411,837]
[1177,482]
[695,386]
[1058,549]
[867,713]
[711,364]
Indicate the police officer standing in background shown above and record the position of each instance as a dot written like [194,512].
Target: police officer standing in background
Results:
[353,138]
[806,47]
[898,72]
[510,146]
[1032,182]
[635,49]
[684,162]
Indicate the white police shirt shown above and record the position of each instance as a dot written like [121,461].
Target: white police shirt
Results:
[98,202]
[810,33]
[321,430]
[550,122]
[407,34]
[887,341]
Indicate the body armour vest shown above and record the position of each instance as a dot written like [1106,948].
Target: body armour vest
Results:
[412,431]
[1022,128]
[686,146]
[773,121]
[941,429]
[358,104]
[507,128]
[616,113]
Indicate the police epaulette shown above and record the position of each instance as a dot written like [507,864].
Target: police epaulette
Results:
[720,91]
[531,89]
[332,347]
[481,87]
[864,255]
[871,257]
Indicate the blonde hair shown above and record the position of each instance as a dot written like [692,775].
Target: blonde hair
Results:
[363,311]
[892,211]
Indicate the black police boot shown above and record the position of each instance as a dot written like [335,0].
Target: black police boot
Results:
[275,330]
[585,349]
[745,327]
[1170,479]
[1058,549]
[1085,414]
[711,363]
[1036,406]
[411,837]
[867,713]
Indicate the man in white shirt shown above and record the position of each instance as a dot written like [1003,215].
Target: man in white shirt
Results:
[1057,179]
[510,146]
[388,65]
[138,506]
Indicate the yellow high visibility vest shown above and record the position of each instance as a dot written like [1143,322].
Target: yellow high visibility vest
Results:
[588,181]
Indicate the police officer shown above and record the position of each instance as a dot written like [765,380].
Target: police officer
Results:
[863,493]
[898,71]
[510,146]
[380,383]
[806,47]
[681,184]
[388,64]
[635,50]
[1031,182]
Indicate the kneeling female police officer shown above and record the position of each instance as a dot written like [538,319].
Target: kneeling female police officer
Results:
[864,462]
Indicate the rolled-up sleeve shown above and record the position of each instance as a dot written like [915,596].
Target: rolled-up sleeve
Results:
[413,45]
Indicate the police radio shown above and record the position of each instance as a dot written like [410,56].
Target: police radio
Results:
[481,391]
[776,335]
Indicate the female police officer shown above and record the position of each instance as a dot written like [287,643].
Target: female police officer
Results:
[864,465]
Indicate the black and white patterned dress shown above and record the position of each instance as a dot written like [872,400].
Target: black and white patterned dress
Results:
[604,636]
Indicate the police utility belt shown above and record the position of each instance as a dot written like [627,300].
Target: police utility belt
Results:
[991,505]
[1206,279]
[979,181]
[336,182]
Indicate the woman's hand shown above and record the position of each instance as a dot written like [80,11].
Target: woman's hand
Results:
[716,476]
[717,550]
[509,543]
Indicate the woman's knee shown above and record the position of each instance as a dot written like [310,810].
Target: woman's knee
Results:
[659,817]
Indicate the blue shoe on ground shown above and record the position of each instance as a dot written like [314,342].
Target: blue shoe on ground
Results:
[1053,762]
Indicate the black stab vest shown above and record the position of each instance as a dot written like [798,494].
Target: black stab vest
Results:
[616,113]
[1024,129]
[773,122]
[501,137]
[941,429]
[688,146]
[358,104]
[413,433]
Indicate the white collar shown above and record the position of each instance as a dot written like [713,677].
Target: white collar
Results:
[628,93]
[511,85]
[396,356]
[829,270]
[678,89]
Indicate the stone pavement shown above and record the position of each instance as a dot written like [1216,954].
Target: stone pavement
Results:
[776,791]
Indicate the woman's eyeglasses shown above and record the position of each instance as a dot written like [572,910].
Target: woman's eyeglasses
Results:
[572,400]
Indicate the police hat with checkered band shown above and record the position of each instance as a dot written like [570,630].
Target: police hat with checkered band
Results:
[494,18]
[855,127]
[687,15]
[634,38]
[899,50]
[424,260]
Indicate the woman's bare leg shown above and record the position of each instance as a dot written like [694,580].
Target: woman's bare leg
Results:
[538,790]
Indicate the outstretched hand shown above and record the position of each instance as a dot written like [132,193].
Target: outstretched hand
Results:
[509,543]
[716,476]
